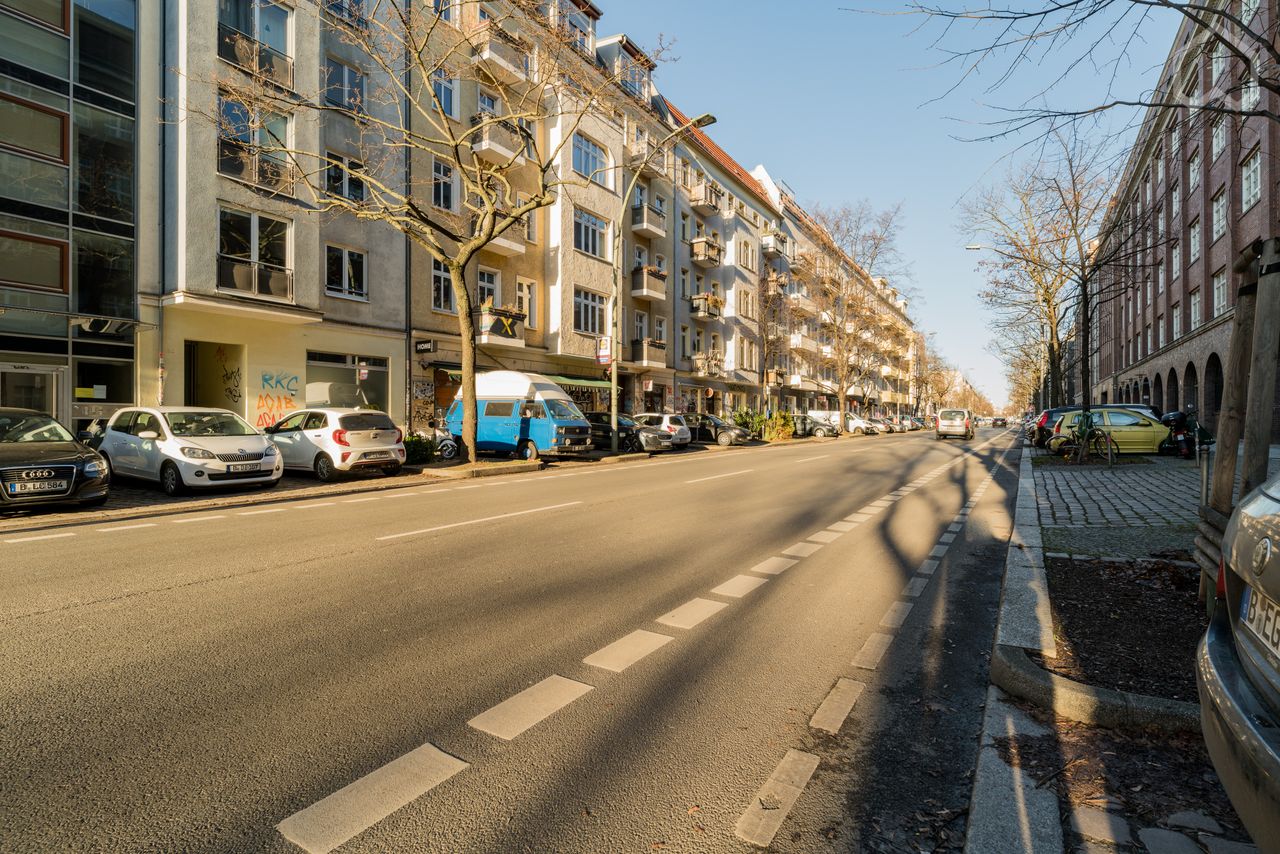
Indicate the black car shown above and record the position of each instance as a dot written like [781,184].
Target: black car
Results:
[632,437]
[709,429]
[999,421]
[41,463]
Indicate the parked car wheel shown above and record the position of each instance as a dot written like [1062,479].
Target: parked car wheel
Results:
[527,451]
[857,431]
[724,440]
[171,480]
[392,470]
[325,469]
[633,445]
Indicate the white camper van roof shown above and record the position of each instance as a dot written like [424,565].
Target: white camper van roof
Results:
[517,385]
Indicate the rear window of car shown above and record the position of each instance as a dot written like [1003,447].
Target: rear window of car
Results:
[677,420]
[952,415]
[366,421]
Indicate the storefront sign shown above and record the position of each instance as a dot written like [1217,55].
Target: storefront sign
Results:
[648,385]
[604,350]
[428,346]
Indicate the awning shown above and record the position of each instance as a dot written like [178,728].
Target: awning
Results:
[558,380]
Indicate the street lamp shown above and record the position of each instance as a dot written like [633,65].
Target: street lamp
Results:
[702,121]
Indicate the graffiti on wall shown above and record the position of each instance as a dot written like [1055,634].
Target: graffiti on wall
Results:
[278,396]
[230,375]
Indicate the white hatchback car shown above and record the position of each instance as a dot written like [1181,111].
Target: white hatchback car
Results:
[330,441]
[673,425]
[188,446]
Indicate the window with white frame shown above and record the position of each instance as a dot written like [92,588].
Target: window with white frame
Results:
[590,160]
[443,9]
[1219,292]
[1159,331]
[1146,339]
[444,89]
[1175,201]
[684,342]
[590,233]
[344,273]
[1193,170]
[441,287]
[1159,278]
[659,328]
[1249,8]
[1195,309]
[443,190]
[1176,310]
[1175,260]
[1175,137]
[1217,61]
[342,177]
[489,103]
[588,312]
[1218,223]
[1250,93]
[1217,137]
[488,287]
[660,261]
[642,325]
[1251,180]
[697,340]
[1160,223]
[1193,240]
[1160,164]
[683,280]
[344,86]
[527,301]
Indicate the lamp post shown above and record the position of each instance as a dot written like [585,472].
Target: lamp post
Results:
[615,332]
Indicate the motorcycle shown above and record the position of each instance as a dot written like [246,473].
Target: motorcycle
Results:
[446,447]
[1178,442]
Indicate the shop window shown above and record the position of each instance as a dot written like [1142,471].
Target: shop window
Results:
[336,379]
[104,46]
[103,382]
[33,262]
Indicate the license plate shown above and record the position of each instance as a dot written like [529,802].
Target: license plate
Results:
[28,486]
[1261,615]
[244,467]
[377,455]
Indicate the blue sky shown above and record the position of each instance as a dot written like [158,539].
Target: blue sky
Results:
[837,104]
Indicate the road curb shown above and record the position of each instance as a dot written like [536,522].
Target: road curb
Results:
[1013,671]
[493,470]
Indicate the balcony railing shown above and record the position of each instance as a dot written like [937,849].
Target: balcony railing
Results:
[802,342]
[707,306]
[801,301]
[350,12]
[499,53]
[254,279]
[774,245]
[255,57]
[644,157]
[707,252]
[802,264]
[648,221]
[648,352]
[649,283]
[243,162]
[495,140]
[707,197]
[774,283]
[708,364]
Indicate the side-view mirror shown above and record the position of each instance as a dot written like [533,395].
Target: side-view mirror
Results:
[270,430]
[149,435]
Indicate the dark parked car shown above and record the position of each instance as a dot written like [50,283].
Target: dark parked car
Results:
[999,421]
[1238,664]
[710,428]
[801,425]
[632,437]
[42,463]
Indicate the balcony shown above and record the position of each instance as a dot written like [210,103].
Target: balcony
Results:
[244,163]
[802,264]
[801,302]
[708,364]
[649,283]
[254,279]
[499,327]
[499,54]
[774,245]
[800,382]
[509,243]
[648,353]
[706,306]
[774,283]
[773,376]
[826,351]
[254,57]
[648,221]
[802,342]
[707,252]
[496,140]
[647,159]
[707,198]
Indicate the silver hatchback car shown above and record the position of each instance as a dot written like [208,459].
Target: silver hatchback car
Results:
[332,441]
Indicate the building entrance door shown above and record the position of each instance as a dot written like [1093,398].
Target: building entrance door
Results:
[32,388]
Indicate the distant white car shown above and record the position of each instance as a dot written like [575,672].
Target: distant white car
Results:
[955,422]
[331,441]
[188,446]
[667,423]
[858,426]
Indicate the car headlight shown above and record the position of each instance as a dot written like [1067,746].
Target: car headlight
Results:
[197,454]
[95,468]
[270,451]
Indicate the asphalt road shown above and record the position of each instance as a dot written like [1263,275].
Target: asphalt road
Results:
[518,664]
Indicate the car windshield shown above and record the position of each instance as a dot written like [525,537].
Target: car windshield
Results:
[565,409]
[952,415]
[366,421]
[197,423]
[32,428]
[625,420]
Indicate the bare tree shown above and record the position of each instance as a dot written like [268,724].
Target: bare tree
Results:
[473,178]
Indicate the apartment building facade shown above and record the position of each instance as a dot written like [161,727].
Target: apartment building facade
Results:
[1197,189]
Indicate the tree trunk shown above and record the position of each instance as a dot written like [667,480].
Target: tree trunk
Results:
[1055,371]
[467,335]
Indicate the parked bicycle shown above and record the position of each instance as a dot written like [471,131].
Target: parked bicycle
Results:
[1085,439]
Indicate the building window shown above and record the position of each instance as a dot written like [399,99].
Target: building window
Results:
[441,287]
[489,103]
[659,328]
[1159,164]
[590,161]
[443,9]
[104,163]
[253,254]
[342,178]
[588,312]
[684,342]
[1193,240]
[1195,309]
[1217,61]
[344,273]
[642,325]
[1175,260]
[442,185]
[1248,8]
[527,302]
[1159,278]
[1175,201]
[1160,224]
[348,380]
[1251,181]
[1159,331]
[590,233]
[1218,223]
[1175,137]
[1217,137]
[488,287]
[28,261]
[30,128]
[1250,94]
[1219,292]
[1193,170]
[443,89]
[344,86]
[1176,309]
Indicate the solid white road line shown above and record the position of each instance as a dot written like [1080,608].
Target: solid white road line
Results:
[128,527]
[624,652]
[833,711]
[260,512]
[691,613]
[824,536]
[191,519]
[38,537]
[769,808]
[330,822]
[738,586]
[774,565]
[718,476]
[801,549]
[841,527]
[872,651]
[478,521]
[531,706]
[896,615]
[915,587]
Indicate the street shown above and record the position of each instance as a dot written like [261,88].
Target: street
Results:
[351,673]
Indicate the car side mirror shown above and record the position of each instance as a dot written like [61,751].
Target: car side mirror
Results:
[149,435]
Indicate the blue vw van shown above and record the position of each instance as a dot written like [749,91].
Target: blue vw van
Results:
[523,414]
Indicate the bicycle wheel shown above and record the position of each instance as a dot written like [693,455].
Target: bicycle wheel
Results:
[1103,445]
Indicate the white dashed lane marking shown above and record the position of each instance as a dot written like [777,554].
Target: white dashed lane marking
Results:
[531,706]
[824,536]
[928,567]
[33,539]
[833,711]
[478,521]
[774,565]
[842,527]
[769,808]
[897,614]
[801,549]
[691,613]
[738,586]
[624,652]
[718,476]
[127,527]
[872,651]
[261,512]
[938,551]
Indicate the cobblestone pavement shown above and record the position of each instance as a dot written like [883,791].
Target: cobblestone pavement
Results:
[1162,493]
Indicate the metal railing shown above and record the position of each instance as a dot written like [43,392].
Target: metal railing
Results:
[255,57]
[254,278]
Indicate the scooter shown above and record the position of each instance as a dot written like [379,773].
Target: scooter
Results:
[446,445]
[1179,440]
